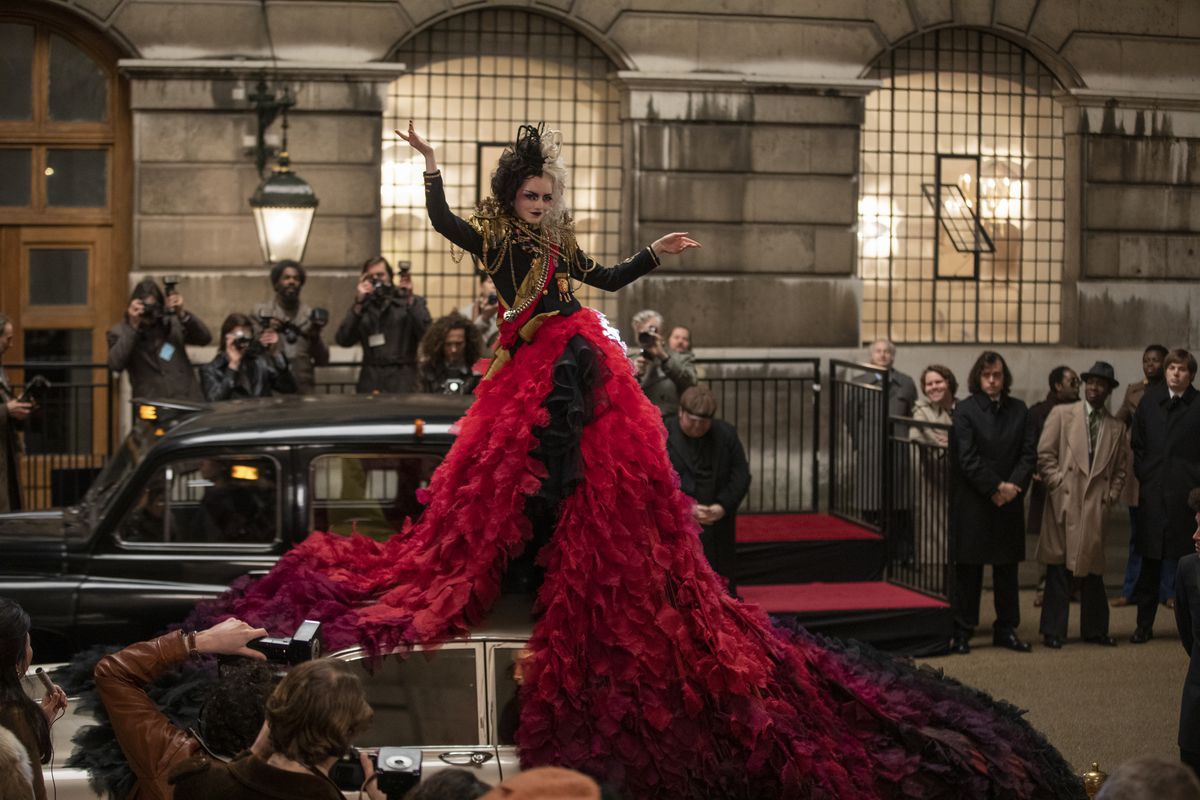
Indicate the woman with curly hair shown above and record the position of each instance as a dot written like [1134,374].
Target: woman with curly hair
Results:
[642,671]
[447,356]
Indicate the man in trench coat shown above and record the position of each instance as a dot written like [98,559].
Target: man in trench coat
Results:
[1166,460]
[1081,458]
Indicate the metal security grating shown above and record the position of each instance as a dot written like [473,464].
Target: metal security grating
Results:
[473,79]
[962,109]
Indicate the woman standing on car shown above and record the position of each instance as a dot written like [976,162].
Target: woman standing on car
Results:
[642,670]
[28,720]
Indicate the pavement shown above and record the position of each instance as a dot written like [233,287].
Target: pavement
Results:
[1102,704]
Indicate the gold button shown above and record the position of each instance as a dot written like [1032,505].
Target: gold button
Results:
[545,291]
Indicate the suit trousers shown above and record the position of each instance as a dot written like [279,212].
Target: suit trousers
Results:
[720,549]
[968,580]
[1145,591]
[1056,604]
[1192,759]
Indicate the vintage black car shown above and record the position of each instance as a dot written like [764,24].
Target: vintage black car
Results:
[196,497]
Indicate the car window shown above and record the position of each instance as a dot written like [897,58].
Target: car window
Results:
[370,493]
[506,677]
[422,699]
[218,499]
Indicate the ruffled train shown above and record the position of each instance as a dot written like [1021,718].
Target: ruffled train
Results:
[644,672]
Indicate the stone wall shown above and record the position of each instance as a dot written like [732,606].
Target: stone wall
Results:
[741,124]
[193,135]
[766,179]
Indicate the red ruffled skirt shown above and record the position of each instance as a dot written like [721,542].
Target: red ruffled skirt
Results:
[644,672]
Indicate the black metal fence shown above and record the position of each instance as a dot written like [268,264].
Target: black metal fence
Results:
[68,437]
[858,470]
[919,535]
[890,474]
[774,404]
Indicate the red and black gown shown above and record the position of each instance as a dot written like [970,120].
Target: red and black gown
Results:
[644,672]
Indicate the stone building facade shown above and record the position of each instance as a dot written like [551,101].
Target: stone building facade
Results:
[740,121]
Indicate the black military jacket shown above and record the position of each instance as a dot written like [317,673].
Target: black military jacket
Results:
[515,263]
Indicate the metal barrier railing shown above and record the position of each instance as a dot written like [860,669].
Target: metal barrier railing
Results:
[858,470]
[919,516]
[68,437]
[774,404]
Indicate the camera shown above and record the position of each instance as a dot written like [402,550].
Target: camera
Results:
[35,390]
[169,284]
[646,337]
[397,770]
[242,342]
[454,386]
[303,645]
[319,316]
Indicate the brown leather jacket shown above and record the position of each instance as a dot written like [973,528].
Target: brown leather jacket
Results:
[247,777]
[152,745]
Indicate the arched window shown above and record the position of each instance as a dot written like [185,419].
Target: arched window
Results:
[473,79]
[961,213]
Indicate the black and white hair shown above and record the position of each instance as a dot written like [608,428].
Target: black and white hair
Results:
[537,151]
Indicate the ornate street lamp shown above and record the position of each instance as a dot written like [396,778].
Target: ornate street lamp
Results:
[284,203]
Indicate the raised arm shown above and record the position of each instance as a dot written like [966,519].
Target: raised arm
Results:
[445,221]
[612,278]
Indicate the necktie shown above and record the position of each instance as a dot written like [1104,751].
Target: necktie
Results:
[1093,431]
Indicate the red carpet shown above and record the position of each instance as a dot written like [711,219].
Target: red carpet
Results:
[821,597]
[797,528]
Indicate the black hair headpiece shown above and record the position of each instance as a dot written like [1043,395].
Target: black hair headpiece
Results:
[519,162]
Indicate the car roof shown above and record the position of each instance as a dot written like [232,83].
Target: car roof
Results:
[291,419]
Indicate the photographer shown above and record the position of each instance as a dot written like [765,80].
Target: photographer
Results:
[484,311]
[388,321]
[13,413]
[312,717]
[298,326]
[448,351]
[664,374]
[150,343]
[246,367]
[229,722]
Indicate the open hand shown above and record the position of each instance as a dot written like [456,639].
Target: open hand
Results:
[420,145]
[673,244]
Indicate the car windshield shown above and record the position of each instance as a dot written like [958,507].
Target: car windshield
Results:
[118,469]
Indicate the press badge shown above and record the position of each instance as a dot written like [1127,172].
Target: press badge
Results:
[166,351]
[376,340]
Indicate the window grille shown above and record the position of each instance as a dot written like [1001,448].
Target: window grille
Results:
[472,80]
[961,214]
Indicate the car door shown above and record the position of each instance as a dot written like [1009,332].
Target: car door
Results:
[197,521]
[432,700]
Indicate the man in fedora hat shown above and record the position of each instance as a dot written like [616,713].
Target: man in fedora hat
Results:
[1082,461]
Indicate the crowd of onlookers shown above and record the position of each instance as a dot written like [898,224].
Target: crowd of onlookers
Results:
[1075,458]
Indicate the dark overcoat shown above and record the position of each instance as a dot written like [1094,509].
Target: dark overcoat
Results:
[156,357]
[989,445]
[1187,618]
[1166,460]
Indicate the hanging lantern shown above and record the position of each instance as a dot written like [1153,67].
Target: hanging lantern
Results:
[284,205]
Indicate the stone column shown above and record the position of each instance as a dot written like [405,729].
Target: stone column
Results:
[765,175]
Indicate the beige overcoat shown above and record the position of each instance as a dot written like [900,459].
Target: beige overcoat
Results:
[1073,519]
